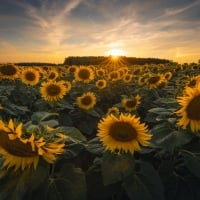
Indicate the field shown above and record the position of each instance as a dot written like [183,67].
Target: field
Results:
[100,132]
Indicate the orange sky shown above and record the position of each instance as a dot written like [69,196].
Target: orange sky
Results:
[49,31]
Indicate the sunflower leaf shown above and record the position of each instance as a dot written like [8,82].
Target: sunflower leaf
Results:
[41,116]
[146,184]
[69,184]
[166,138]
[116,167]
[73,132]
[192,162]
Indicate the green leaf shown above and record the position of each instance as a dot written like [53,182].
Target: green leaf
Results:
[40,116]
[116,167]
[16,186]
[94,113]
[144,185]
[192,162]
[166,138]
[95,146]
[51,123]
[64,104]
[69,184]
[74,133]
[157,110]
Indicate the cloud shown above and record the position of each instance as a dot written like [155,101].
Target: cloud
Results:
[85,27]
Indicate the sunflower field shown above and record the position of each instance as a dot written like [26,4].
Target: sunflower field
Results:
[106,132]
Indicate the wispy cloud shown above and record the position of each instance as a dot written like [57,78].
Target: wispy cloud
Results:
[49,29]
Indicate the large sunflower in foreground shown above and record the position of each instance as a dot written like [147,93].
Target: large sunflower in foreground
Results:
[87,101]
[53,91]
[190,110]
[19,152]
[123,134]
[84,74]
[30,76]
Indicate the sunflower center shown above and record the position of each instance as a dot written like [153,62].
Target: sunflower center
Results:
[52,75]
[100,73]
[114,75]
[127,77]
[30,76]
[72,69]
[154,79]
[8,70]
[84,74]
[122,131]
[53,90]
[192,83]
[86,100]
[131,103]
[100,83]
[193,108]
[16,147]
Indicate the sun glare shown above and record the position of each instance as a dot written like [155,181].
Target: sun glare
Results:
[116,53]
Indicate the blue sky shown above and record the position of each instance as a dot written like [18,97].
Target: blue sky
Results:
[50,30]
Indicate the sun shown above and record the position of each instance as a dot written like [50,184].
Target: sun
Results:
[116,53]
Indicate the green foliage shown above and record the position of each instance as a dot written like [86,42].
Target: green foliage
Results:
[167,169]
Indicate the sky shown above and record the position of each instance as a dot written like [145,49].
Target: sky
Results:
[51,30]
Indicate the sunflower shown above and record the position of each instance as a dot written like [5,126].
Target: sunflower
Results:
[72,69]
[190,110]
[52,74]
[101,84]
[128,78]
[154,81]
[30,76]
[123,134]
[130,104]
[168,75]
[53,91]
[19,152]
[141,80]
[113,110]
[67,85]
[121,72]
[9,71]
[193,81]
[87,101]
[84,74]
[114,75]
[100,72]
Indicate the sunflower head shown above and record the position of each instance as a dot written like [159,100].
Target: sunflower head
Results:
[114,75]
[190,109]
[154,81]
[84,74]
[128,78]
[113,110]
[101,84]
[30,76]
[123,134]
[52,74]
[100,72]
[72,69]
[22,149]
[87,101]
[130,104]
[9,71]
[168,75]
[52,91]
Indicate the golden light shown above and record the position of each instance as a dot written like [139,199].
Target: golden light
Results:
[116,53]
